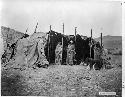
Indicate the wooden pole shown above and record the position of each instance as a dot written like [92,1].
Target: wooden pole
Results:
[75,34]
[49,45]
[91,44]
[63,34]
[36,27]
[91,33]
[62,43]
[26,30]
[50,28]
[101,39]
[75,42]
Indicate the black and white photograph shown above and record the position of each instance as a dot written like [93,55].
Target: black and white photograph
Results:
[61,48]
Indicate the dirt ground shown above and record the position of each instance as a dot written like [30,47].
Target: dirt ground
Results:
[117,60]
[61,81]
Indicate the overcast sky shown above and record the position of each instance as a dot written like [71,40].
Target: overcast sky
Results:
[105,17]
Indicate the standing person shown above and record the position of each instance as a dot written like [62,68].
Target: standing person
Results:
[58,54]
[70,53]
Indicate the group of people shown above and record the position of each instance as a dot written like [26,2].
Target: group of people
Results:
[71,50]
[70,58]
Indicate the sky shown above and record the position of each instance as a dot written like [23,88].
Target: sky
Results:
[100,16]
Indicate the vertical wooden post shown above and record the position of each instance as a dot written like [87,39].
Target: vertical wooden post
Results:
[36,27]
[101,52]
[75,42]
[62,43]
[49,44]
[75,34]
[91,33]
[101,39]
[63,34]
[26,30]
[50,28]
[91,44]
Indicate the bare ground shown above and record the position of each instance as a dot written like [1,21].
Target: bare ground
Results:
[61,81]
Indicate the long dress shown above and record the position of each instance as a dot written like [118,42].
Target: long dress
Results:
[58,54]
[70,54]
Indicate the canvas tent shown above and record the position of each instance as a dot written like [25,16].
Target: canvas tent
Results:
[30,50]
